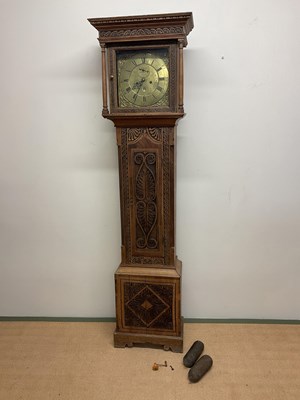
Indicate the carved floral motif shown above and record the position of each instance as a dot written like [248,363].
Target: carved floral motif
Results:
[135,134]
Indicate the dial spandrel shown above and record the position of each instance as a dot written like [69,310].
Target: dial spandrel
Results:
[143,78]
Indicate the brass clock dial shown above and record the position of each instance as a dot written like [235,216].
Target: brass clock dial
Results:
[143,78]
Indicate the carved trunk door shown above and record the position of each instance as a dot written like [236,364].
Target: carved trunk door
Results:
[146,158]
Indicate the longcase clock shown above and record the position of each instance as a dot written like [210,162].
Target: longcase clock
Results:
[142,85]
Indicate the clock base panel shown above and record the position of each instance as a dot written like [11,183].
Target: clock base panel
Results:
[148,306]
[173,343]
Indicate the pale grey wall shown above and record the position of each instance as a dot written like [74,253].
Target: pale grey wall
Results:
[238,160]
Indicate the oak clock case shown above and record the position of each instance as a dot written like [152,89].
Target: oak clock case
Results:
[142,89]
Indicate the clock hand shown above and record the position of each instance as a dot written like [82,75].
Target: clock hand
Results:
[139,84]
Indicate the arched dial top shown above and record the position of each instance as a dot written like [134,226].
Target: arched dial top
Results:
[143,78]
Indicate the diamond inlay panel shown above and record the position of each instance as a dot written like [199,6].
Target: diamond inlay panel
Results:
[148,305]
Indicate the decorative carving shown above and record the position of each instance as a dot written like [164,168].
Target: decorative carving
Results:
[147,260]
[141,32]
[148,305]
[166,193]
[145,193]
[125,190]
[135,134]
[155,134]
